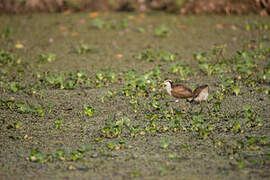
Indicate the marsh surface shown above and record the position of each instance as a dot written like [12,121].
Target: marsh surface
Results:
[81,96]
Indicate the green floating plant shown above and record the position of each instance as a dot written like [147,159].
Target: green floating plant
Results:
[258,26]
[44,58]
[164,143]
[162,31]
[7,58]
[85,48]
[64,80]
[98,23]
[58,123]
[6,32]
[245,63]
[89,110]
[37,156]
[181,69]
[150,55]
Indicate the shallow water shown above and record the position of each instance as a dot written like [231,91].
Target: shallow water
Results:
[191,154]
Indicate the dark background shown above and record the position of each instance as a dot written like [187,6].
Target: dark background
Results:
[261,7]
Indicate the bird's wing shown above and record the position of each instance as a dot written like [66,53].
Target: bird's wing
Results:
[181,91]
[200,89]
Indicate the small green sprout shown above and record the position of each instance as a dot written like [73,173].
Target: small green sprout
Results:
[166,56]
[111,77]
[111,146]
[218,105]
[98,23]
[180,69]
[236,90]
[162,31]
[147,55]
[38,110]
[6,32]
[236,127]
[7,58]
[124,23]
[89,110]
[76,155]
[22,108]
[17,125]
[140,30]
[241,164]
[59,154]
[85,48]
[44,58]
[164,143]
[37,156]
[58,123]
[14,87]
[172,155]
[200,56]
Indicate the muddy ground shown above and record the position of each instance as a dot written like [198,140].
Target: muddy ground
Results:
[81,96]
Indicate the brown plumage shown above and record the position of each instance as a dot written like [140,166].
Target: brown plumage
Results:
[200,93]
[181,91]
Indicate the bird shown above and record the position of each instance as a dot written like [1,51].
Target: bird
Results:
[179,91]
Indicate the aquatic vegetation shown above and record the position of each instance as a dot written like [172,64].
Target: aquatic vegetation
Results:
[104,78]
[110,24]
[147,55]
[162,31]
[229,85]
[214,63]
[8,59]
[109,95]
[6,32]
[151,55]
[64,80]
[98,23]
[46,58]
[103,88]
[89,110]
[124,23]
[15,86]
[85,48]
[257,26]
[252,119]
[58,123]
[37,156]
[181,69]
[245,63]
[164,143]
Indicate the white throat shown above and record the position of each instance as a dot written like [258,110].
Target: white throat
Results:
[169,88]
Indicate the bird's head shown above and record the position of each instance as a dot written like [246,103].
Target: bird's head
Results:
[167,82]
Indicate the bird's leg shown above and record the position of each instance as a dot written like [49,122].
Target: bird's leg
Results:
[171,109]
[191,104]
[208,107]
[201,108]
